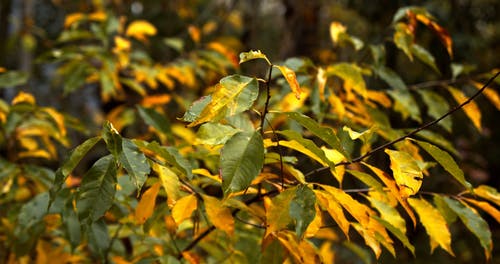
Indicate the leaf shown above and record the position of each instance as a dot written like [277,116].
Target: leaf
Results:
[405,104]
[156,120]
[397,233]
[403,38]
[99,240]
[366,179]
[358,210]
[32,212]
[390,77]
[485,206]
[322,132]
[321,79]
[242,158]
[445,160]
[252,55]
[434,224]
[219,215]
[112,138]
[169,155]
[24,98]
[351,74]
[489,93]
[302,209]
[146,205]
[388,213]
[330,204]
[437,106]
[183,208]
[233,95]
[140,29]
[13,78]
[443,35]
[169,181]
[291,78]
[489,193]
[196,107]
[214,134]
[336,28]
[425,56]
[300,250]
[134,162]
[474,223]
[406,171]
[278,211]
[471,109]
[444,209]
[97,189]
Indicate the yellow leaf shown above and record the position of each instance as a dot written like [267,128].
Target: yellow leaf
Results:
[471,109]
[369,238]
[393,188]
[206,173]
[183,208]
[219,215]
[97,16]
[140,29]
[2,69]
[316,224]
[336,28]
[39,153]
[292,144]
[321,79]
[485,206]
[328,202]
[358,210]
[301,251]
[407,173]
[387,212]
[121,44]
[442,33]
[146,205]
[23,97]
[72,18]
[379,97]
[291,79]
[28,143]
[433,222]
[327,253]
[58,119]
[289,103]
[169,181]
[337,105]
[352,76]
[194,33]
[336,157]
[153,100]
[488,193]
[490,94]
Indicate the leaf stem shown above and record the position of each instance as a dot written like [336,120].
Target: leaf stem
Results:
[268,98]
[413,132]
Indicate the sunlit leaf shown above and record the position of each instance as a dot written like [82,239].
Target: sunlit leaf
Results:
[183,208]
[474,223]
[252,55]
[234,94]
[358,210]
[291,78]
[302,209]
[471,109]
[442,33]
[336,29]
[278,211]
[219,215]
[321,79]
[134,162]
[366,179]
[406,171]
[405,104]
[169,181]
[24,98]
[196,107]
[485,206]
[97,189]
[351,74]
[242,158]
[489,193]
[445,160]
[169,155]
[444,209]
[490,94]
[330,204]
[140,29]
[388,213]
[301,250]
[397,233]
[146,205]
[434,223]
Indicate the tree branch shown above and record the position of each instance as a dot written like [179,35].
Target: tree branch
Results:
[415,131]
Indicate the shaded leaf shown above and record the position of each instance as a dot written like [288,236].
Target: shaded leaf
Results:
[291,78]
[403,38]
[169,155]
[388,213]
[156,120]
[196,107]
[423,55]
[390,77]
[98,236]
[134,162]
[278,211]
[242,158]
[97,189]
[32,212]
[301,250]
[351,74]
[405,104]
[443,158]
[146,205]
[366,179]
[358,210]
[219,215]
[112,138]
[302,209]
[474,223]
[437,106]
[214,134]
[434,224]
[471,109]
[406,171]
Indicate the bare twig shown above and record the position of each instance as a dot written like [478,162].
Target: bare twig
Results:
[413,132]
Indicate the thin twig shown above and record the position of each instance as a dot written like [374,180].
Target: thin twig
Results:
[415,131]
[282,175]
[268,98]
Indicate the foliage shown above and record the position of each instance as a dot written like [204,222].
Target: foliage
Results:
[286,167]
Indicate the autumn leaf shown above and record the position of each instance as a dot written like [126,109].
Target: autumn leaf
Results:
[330,204]
[336,28]
[406,171]
[485,206]
[278,211]
[183,208]
[352,76]
[140,29]
[291,78]
[489,193]
[219,215]
[252,55]
[471,109]
[146,205]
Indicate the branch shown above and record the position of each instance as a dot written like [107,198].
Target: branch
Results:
[415,131]
[266,105]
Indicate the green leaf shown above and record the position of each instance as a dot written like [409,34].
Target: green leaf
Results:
[351,74]
[474,223]
[97,190]
[406,171]
[242,158]
[252,55]
[99,240]
[13,78]
[32,212]
[403,39]
[278,212]
[438,140]
[405,104]
[423,55]
[134,162]
[397,233]
[196,107]
[444,209]
[112,138]
[390,77]
[445,160]
[434,224]
[233,95]
[302,209]
[171,156]
[324,133]
[366,179]
[387,212]
[437,106]
[214,134]
[156,120]
[71,224]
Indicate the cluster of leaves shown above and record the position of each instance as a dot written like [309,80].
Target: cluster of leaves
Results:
[287,163]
